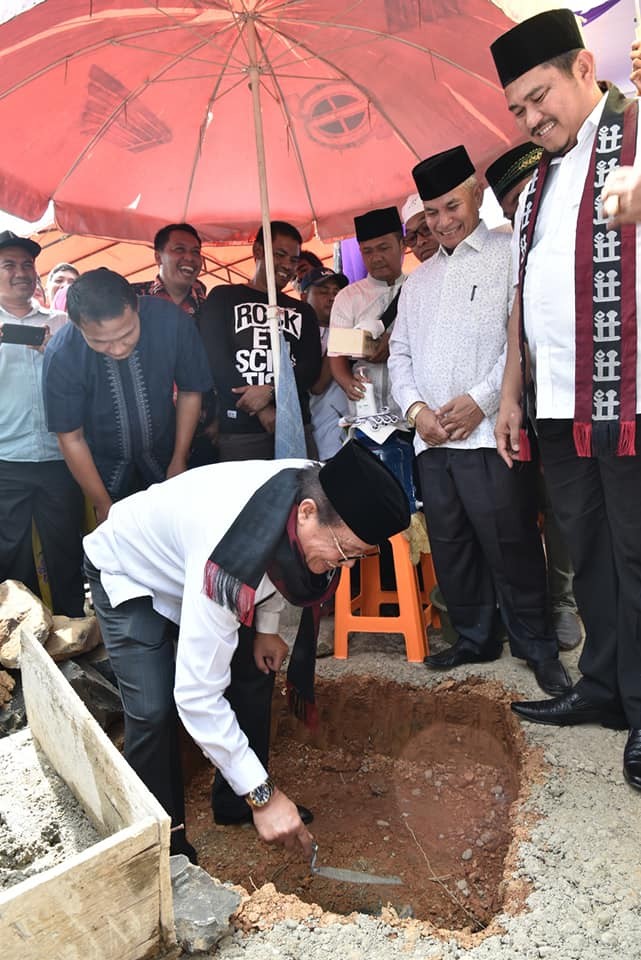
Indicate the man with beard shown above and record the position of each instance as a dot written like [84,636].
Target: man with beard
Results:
[446,364]
[574,324]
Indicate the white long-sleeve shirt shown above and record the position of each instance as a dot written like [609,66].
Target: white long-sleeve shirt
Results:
[156,544]
[361,305]
[450,332]
[549,289]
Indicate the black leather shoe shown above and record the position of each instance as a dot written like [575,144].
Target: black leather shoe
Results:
[457,654]
[179,843]
[568,629]
[569,710]
[224,820]
[551,676]
[632,759]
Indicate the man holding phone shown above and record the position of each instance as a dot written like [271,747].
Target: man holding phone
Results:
[35,484]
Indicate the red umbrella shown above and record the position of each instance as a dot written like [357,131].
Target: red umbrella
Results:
[133,113]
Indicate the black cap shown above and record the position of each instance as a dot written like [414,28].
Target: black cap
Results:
[10,239]
[535,41]
[512,167]
[314,278]
[442,172]
[376,223]
[365,494]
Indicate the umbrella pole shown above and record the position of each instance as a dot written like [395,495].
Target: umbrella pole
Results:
[272,308]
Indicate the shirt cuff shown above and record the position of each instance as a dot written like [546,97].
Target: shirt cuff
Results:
[267,621]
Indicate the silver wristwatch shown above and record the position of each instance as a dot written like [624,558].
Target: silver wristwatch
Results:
[262,794]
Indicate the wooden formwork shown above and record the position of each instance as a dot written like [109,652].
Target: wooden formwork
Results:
[113,900]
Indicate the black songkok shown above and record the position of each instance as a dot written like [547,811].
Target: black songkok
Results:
[442,172]
[512,167]
[535,41]
[365,494]
[376,223]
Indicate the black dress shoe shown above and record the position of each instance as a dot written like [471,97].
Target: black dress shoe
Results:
[569,710]
[178,843]
[632,759]
[457,654]
[236,820]
[551,676]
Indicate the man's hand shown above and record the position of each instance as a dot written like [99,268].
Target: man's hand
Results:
[355,387]
[635,57]
[429,428]
[278,822]
[267,418]
[621,196]
[507,429]
[41,348]
[381,353]
[460,417]
[177,465]
[102,511]
[253,399]
[269,652]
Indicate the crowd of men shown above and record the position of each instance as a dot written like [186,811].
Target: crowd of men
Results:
[510,361]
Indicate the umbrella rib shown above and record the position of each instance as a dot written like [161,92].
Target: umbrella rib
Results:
[204,126]
[290,132]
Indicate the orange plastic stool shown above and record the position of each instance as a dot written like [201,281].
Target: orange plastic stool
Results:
[414,607]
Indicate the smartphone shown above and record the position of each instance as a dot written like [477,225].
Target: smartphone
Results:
[24,334]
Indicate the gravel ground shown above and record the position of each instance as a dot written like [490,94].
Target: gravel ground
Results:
[572,879]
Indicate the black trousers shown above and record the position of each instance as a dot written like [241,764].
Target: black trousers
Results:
[250,696]
[482,523]
[47,493]
[597,502]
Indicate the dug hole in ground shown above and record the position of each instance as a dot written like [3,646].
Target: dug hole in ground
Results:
[513,840]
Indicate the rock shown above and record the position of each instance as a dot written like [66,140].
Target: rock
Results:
[99,660]
[202,907]
[20,609]
[72,635]
[13,716]
[467,854]
[100,697]
[7,683]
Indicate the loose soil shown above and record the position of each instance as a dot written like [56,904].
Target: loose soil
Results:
[402,781]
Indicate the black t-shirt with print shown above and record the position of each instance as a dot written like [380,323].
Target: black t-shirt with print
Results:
[233,325]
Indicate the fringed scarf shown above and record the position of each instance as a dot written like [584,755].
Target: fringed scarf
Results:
[262,540]
[605,308]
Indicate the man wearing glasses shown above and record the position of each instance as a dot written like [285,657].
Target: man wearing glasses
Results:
[216,551]
[419,239]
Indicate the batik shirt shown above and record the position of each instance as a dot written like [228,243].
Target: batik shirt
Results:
[125,407]
[156,288]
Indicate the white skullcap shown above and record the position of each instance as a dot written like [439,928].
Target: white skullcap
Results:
[411,207]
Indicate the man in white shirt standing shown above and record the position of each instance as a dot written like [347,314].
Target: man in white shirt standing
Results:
[370,304]
[576,310]
[211,550]
[446,364]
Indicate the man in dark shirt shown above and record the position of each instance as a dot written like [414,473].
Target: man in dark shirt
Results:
[108,383]
[234,328]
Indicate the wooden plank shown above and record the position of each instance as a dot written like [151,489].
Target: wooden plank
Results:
[111,794]
[102,903]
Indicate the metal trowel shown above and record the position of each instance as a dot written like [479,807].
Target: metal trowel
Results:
[348,876]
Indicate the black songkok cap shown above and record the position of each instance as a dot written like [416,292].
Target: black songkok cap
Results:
[512,167]
[442,172]
[376,223]
[535,41]
[365,494]
[10,239]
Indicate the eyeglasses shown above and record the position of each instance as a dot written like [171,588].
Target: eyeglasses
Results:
[374,552]
[412,236]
